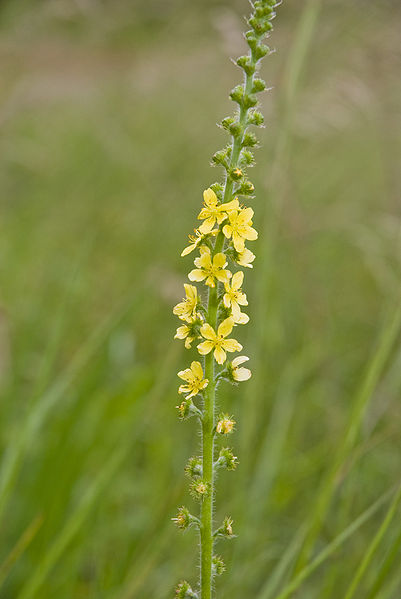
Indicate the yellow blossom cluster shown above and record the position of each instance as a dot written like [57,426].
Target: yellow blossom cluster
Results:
[220,241]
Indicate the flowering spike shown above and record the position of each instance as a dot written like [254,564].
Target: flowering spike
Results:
[220,244]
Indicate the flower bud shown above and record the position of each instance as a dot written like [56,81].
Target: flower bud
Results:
[261,50]
[259,85]
[246,158]
[250,140]
[220,157]
[249,100]
[235,129]
[200,489]
[237,94]
[252,40]
[227,122]
[194,467]
[245,62]
[226,529]
[246,188]
[236,174]
[218,566]
[184,519]
[227,459]
[186,409]
[255,118]
[184,591]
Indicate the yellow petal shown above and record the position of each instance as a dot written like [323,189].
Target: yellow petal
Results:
[226,300]
[205,347]
[184,389]
[207,225]
[190,291]
[245,215]
[231,345]
[219,355]
[236,311]
[239,242]
[197,369]
[245,258]
[183,374]
[219,261]
[227,230]
[251,234]
[242,374]
[237,280]
[188,250]
[208,332]
[188,342]
[239,360]
[230,206]
[225,327]
[241,318]
[197,275]
[182,332]
[223,276]
[210,198]
[220,216]
[241,299]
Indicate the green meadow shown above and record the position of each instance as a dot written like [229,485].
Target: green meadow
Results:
[108,113]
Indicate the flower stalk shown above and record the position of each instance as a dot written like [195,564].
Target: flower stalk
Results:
[211,318]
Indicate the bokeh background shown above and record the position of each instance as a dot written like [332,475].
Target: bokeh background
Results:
[108,112]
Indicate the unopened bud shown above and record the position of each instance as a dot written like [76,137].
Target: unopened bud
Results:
[194,467]
[218,565]
[184,591]
[200,489]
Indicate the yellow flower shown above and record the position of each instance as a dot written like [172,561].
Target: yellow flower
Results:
[186,310]
[245,258]
[213,211]
[189,331]
[239,374]
[208,269]
[218,341]
[193,376]
[234,297]
[239,228]
[196,240]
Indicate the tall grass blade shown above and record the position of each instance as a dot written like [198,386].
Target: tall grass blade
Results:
[370,382]
[74,523]
[373,546]
[282,567]
[331,548]
[23,542]
[385,568]
[38,414]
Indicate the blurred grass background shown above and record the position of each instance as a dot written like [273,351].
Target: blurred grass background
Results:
[108,113]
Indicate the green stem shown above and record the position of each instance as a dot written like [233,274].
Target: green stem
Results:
[206,528]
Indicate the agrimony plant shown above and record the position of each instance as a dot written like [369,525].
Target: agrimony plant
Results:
[210,318]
